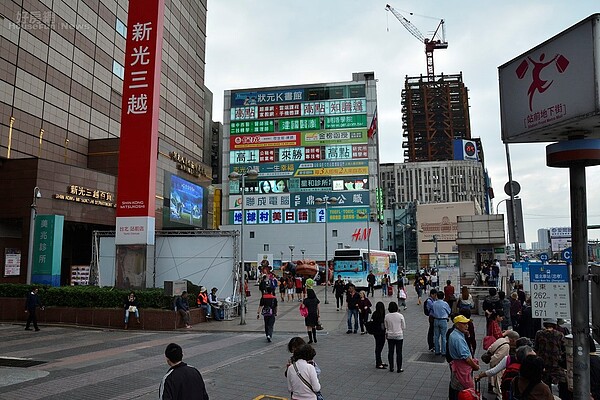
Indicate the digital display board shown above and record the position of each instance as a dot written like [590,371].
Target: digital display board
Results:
[185,203]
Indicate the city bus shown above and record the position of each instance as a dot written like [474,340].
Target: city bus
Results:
[354,266]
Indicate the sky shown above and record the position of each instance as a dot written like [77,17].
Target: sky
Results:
[262,43]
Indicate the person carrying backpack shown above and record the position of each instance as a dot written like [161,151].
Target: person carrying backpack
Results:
[268,309]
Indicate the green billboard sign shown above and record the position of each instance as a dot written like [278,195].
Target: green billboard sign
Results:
[346,121]
[262,126]
[47,249]
[299,124]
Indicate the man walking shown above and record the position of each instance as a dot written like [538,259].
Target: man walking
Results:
[339,287]
[182,381]
[371,282]
[427,311]
[462,364]
[440,311]
[352,300]
[31,304]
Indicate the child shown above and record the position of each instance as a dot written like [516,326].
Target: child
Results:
[294,344]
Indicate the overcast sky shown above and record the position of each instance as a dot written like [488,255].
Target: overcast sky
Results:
[275,42]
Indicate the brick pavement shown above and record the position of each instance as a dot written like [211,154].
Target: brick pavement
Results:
[235,360]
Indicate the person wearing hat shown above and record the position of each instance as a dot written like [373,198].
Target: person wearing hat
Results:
[215,304]
[462,363]
[202,302]
[550,346]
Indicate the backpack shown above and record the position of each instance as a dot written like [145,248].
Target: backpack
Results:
[370,326]
[425,307]
[267,311]
[509,373]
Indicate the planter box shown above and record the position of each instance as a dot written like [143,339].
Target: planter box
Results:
[12,310]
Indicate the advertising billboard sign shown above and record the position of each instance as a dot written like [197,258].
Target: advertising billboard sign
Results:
[440,220]
[553,86]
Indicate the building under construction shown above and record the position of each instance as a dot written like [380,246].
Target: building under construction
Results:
[435,111]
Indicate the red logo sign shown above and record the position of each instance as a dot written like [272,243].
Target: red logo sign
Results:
[537,83]
[361,234]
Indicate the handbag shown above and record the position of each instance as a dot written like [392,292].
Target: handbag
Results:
[319,327]
[486,357]
[303,310]
[319,395]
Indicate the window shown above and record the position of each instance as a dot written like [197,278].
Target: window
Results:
[266,247]
[118,69]
[340,245]
[252,235]
[121,28]
[334,233]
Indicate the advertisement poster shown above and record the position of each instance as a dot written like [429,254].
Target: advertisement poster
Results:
[12,262]
[187,202]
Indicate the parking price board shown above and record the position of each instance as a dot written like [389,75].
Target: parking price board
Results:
[550,291]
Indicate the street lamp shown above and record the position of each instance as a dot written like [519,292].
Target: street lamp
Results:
[292,247]
[36,195]
[404,228]
[302,251]
[326,201]
[252,173]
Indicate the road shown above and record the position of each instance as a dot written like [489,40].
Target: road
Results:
[235,360]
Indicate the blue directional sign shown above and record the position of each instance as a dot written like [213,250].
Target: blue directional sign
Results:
[567,254]
[550,291]
[544,257]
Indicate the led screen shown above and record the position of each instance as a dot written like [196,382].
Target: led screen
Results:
[186,202]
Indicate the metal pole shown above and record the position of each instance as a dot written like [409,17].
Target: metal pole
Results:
[513,228]
[394,227]
[581,349]
[369,240]
[326,255]
[31,240]
[242,279]
[437,256]
[404,248]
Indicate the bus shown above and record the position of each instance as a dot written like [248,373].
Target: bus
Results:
[354,266]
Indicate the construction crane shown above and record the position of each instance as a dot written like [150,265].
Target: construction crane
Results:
[430,44]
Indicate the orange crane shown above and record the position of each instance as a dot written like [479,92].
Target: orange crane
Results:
[430,44]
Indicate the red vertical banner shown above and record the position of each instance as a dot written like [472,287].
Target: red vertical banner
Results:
[136,188]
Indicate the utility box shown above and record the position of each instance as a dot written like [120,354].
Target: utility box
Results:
[175,288]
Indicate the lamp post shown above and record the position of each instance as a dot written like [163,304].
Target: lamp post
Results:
[326,201]
[302,251]
[252,173]
[404,228]
[36,195]
[292,247]
[437,255]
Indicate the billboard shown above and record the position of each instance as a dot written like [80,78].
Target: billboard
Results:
[465,149]
[438,222]
[553,86]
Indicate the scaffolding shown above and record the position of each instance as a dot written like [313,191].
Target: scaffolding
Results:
[435,111]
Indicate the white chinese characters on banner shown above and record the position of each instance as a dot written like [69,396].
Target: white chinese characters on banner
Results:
[138,103]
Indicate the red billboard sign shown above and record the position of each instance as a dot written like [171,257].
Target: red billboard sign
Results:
[136,188]
[262,141]
[279,111]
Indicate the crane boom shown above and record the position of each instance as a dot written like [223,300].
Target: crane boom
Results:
[430,44]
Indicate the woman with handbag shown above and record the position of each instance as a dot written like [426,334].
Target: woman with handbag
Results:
[303,382]
[311,303]
[268,309]
[377,319]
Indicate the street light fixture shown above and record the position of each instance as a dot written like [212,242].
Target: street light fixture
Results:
[292,247]
[234,176]
[404,228]
[36,195]
[302,251]
[326,201]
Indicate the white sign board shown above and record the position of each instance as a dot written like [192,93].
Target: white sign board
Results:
[526,282]
[449,274]
[553,86]
[550,291]
[518,271]
[12,264]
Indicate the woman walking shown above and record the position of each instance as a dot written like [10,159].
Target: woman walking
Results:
[378,319]
[268,309]
[419,287]
[394,332]
[364,309]
[312,319]
[402,296]
[465,300]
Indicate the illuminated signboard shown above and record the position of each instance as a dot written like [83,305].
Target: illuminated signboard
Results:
[335,137]
[346,152]
[244,156]
[350,183]
[270,140]
[354,199]
[243,113]
[262,126]
[279,110]
[309,184]
[305,168]
[262,201]
[334,107]
[264,97]
[346,121]
[300,124]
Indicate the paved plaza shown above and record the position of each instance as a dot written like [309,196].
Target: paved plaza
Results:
[236,361]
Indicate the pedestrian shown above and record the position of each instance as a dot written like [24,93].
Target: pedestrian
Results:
[215,305]
[466,299]
[434,279]
[449,295]
[394,332]
[131,306]
[312,318]
[303,382]
[264,284]
[493,326]
[440,311]
[402,296]
[462,363]
[506,322]
[427,311]
[299,289]
[352,299]
[385,281]
[378,319]
[371,282]
[549,344]
[515,310]
[470,337]
[202,302]
[182,381]
[267,307]
[364,309]
[339,287]
[499,350]
[419,287]
[529,384]
[282,287]
[290,287]
[294,344]
[183,309]
[32,302]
